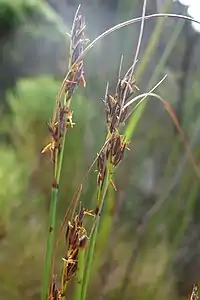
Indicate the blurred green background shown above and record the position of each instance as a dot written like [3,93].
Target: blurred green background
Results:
[148,245]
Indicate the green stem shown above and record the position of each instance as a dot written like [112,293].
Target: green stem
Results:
[54,194]
[52,224]
[107,220]
[90,252]
[79,275]
[49,244]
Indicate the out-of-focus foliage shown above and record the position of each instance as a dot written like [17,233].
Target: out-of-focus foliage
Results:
[26,176]
[30,32]
[153,248]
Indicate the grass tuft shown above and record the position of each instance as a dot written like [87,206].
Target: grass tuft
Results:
[79,242]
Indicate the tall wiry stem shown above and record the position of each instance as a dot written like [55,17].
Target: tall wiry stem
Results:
[61,121]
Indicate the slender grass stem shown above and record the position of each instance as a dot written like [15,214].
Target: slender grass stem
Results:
[49,244]
[93,237]
[130,22]
[107,220]
[52,219]
[52,222]
[62,118]
[79,275]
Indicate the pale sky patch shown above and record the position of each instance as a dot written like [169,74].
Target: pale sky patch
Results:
[193,11]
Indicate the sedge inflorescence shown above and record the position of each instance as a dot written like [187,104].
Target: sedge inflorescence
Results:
[62,117]
[116,114]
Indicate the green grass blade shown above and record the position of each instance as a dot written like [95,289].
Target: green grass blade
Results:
[170,45]
[131,126]
[189,206]
[154,40]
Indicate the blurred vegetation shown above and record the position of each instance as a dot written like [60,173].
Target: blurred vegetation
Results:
[148,245]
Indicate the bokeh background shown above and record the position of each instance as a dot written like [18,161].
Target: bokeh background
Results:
[148,245]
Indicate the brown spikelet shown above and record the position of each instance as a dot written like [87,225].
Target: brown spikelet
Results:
[76,240]
[195,293]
